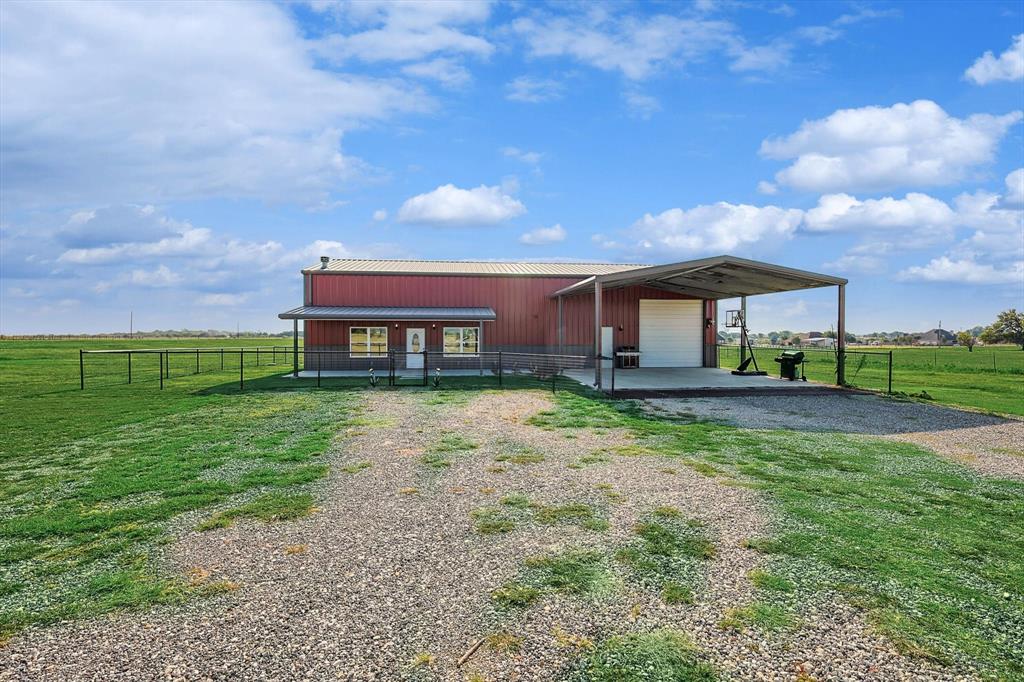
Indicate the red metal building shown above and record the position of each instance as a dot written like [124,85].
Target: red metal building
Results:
[667,312]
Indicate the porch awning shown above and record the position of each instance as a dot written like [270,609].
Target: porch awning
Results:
[396,314]
[713,278]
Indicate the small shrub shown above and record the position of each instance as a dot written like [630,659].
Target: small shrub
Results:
[423,659]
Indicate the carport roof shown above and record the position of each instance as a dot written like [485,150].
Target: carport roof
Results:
[712,278]
[323,312]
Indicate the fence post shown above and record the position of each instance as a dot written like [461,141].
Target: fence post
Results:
[129,367]
[241,369]
[426,363]
[890,372]
[81,368]
[319,364]
[257,356]
[274,362]
[499,369]
[197,361]
[161,370]
[222,359]
[613,373]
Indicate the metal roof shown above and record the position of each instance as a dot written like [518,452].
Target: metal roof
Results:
[713,278]
[458,267]
[323,312]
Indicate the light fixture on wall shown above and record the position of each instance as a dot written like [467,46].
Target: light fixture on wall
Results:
[433,326]
[620,327]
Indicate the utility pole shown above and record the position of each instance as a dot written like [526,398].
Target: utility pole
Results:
[131,324]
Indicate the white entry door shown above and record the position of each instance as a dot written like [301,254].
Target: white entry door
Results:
[607,349]
[415,342]
[671,333]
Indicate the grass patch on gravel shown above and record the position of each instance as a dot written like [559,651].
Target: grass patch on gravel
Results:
[667,554]
[517,509]
[269,507]
[438,456]
[932,551]
[81,518]
[356,467]
[579,572]
[659,656]
[763,616]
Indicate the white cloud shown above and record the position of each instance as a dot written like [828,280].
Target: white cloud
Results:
[448,72]
[161,277]
[407,31]
[1015,187]
[527,157]
[453,206]
[544,235]
[1009,66]
[819,35]
[876,148]
[641,105]
[965,271]
[380,215]
[842,212]
[768,188]
[533,90]
[634,46]
[112,102]
[189,241]
[767,58]
[716,228]
[222,299]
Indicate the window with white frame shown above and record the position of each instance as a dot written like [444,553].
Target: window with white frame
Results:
[367,342]
[461,340]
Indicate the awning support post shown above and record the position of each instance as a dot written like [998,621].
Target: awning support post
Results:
[295,348]
[841,338]
[598,293]
[743,329]
[561,329]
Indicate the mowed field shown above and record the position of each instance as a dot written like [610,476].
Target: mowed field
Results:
[357,533]
[989,378]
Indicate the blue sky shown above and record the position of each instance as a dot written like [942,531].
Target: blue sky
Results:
[184,161]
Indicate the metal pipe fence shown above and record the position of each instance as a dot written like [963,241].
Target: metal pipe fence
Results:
[391,367]
[864,368]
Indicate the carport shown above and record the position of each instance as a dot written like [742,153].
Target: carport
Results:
[709,280]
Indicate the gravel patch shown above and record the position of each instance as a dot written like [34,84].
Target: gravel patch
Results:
[987,443]
[391,566]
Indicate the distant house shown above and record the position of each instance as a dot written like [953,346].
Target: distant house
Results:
[819,342]
[936,337]
[815,335]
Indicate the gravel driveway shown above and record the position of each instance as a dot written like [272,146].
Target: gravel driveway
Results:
[391,567]
[990,444]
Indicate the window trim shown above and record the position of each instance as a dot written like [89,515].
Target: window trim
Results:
[462,342]
[368,353]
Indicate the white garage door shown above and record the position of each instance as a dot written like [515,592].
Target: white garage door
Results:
[670,333]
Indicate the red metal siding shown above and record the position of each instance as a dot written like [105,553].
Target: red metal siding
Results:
[526,315]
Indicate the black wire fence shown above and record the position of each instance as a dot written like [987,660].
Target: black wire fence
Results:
[863,368]
[374,366]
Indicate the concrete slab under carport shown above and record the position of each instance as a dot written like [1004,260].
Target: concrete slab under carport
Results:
[667,381]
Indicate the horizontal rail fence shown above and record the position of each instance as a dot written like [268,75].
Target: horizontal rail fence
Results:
[376,367]
[864,368]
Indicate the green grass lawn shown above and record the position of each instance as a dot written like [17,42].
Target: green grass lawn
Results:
[933,552]
[93,482]
[989,378]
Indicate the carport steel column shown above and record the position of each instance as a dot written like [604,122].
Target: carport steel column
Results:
[841,338]
[598,293]
[295,347]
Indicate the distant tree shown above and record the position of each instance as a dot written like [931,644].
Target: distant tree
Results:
[966,338]
[1008,328]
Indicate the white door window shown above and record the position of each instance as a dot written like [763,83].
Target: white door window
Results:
[415,343]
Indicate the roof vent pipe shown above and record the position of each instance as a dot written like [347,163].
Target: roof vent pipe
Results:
[324,260]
